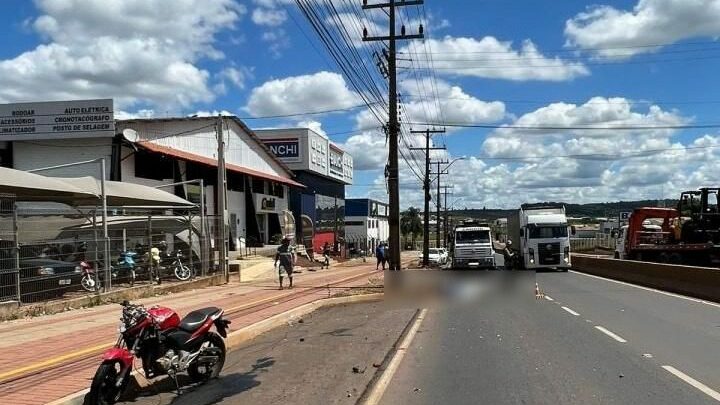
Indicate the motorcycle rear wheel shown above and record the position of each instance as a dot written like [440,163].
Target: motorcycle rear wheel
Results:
[201,373]
[183,272]
[104,389]
[88,283]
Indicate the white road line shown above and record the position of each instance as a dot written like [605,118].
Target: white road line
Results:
[612,335]
[570,311]
[695,383]
[684,297]
[382,383]
[549,298]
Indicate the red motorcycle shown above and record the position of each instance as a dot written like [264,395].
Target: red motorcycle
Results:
[165,344]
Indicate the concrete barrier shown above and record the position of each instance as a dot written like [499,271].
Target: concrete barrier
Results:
[698,282]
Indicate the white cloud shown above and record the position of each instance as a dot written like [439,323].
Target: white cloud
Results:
[269,17]
[492,59]
[368,149]
[313,125]
[297,94]
[649,22]
[135,51]
[236,76]
[452,105]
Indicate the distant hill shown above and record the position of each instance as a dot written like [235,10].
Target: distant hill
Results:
[592,210]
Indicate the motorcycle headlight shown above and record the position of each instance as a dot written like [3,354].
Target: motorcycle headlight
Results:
[121,327]
[46,271]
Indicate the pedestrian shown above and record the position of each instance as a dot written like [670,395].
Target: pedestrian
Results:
[380,255]
[386,252]
[326,256]
[286,257]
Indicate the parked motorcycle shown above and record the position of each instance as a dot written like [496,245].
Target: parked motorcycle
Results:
[165,344]
[88,281]
[164,263]
[126,266]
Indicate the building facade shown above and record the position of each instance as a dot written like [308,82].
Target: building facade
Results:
[366,223]
[154,152]
[324,169]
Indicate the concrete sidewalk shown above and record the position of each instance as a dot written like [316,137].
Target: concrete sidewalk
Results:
[49,357]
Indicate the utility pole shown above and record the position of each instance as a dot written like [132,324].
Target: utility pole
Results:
[393,127]
[221,198]
[438,204]
[426,188]
[445,222]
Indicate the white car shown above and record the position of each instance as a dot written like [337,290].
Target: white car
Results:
[437,256]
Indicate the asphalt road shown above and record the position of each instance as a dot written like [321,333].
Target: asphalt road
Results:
[303,363]
[593,342]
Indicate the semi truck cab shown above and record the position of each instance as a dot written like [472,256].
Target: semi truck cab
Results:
[472,248]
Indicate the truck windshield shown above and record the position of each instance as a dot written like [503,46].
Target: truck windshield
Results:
[542,232]
[472,236]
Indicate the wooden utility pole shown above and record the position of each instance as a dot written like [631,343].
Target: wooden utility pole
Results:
[426,188]
[393,126]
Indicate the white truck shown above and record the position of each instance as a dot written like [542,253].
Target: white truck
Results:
[472,246]
[540,237]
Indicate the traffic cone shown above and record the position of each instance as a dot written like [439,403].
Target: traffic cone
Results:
[538,293]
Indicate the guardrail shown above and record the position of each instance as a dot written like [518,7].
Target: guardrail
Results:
[698,282]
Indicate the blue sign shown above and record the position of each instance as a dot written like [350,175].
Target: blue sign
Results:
[284,148]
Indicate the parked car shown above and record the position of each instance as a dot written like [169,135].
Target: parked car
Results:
[40,278]
[437,256]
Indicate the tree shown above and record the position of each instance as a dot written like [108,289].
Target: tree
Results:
[410,223]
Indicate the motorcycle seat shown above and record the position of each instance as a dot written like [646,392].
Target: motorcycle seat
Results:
[192,321]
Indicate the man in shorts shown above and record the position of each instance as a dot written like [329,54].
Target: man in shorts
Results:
[286,257]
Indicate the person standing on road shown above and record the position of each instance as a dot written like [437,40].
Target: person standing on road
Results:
[286,257]
[380,255]
[326,256]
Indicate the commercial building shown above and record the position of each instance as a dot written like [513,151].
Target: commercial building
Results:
[154,152]
[366,223]
[324,169]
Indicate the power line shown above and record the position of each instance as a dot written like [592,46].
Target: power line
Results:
[571,128]
[355,107]
[608,48]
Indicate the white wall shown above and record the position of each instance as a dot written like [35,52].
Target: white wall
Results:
[43,153]
[198,136]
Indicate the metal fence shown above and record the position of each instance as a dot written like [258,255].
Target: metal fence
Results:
[600,241]
[51,251]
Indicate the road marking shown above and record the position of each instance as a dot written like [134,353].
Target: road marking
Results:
[612,335]
[570,311]
[382,383]
[695,383]
[549,298]
[684,297]
[55,360]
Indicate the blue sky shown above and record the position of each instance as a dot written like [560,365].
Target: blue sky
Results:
[532,63]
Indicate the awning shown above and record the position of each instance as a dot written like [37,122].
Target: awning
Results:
[121,194]
[165,150]
[34,187]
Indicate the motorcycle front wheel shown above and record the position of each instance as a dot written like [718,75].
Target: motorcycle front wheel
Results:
[104,389]
[183,272]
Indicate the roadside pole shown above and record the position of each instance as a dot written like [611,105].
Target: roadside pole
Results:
[393,126]
[426,189]
[221,196]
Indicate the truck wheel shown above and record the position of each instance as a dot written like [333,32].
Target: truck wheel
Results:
[663,258]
